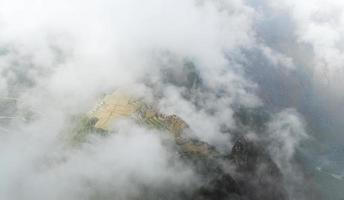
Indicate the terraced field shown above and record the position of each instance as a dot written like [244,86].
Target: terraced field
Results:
[116,106]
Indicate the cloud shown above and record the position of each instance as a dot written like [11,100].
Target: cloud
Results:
[198,59]
[71,52]
[59,57]
[286,131]
[38,166]
[319,25]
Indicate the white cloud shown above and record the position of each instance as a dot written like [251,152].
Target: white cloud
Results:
[286,132]
[320,24]
[72,51]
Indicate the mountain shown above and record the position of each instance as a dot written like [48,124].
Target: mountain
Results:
[252,175]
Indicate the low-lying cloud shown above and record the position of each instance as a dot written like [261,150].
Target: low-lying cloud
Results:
[199,59]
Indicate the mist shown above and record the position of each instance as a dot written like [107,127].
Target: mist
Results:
[199,59]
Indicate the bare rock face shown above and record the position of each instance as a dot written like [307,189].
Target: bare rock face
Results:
[254,176]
